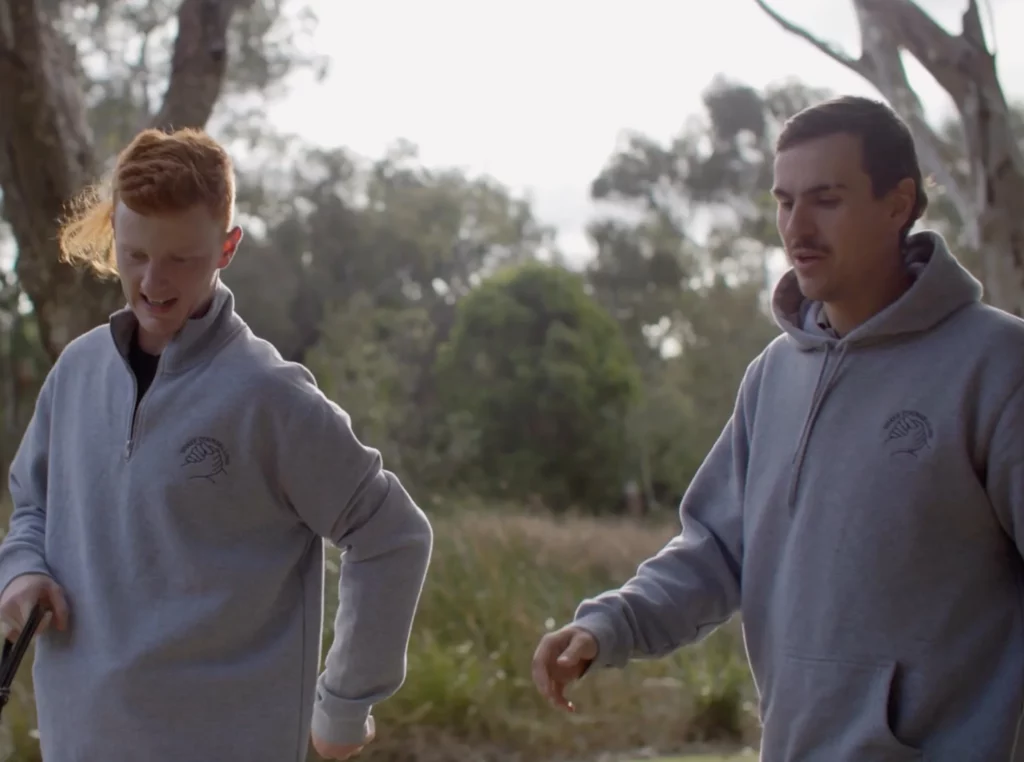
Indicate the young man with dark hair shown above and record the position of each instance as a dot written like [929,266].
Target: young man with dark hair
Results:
[864,506]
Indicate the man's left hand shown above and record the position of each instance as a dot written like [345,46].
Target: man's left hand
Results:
[342,751]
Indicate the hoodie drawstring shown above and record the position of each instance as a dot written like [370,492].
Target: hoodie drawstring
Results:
[821,389]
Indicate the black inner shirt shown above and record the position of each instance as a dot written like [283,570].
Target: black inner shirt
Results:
[143,365]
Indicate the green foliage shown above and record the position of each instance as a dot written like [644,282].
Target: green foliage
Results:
[543,378]
[23,365]
[339,228]
[374,362]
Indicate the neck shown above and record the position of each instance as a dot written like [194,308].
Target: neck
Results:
[204,306]
[151,345]
[202,309]
[846,315]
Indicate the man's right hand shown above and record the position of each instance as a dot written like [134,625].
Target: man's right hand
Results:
[561,658]
[21,596]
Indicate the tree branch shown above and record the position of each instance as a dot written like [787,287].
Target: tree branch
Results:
[45,157]
[973,32]
[857,65]
[954,61]
[139,76]
[881,46]
[198,63]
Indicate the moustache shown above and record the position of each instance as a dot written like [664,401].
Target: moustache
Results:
[808,247]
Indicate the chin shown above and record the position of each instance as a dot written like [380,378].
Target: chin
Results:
[814,290]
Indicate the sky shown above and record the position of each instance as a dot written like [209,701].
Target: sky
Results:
[537,93]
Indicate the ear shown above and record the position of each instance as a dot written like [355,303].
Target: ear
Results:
[902,199]
[231,241]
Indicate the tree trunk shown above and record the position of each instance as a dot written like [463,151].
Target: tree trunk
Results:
[47,152]
[990,203]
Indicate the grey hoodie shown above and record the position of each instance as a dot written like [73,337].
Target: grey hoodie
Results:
[864,511]
[189,546]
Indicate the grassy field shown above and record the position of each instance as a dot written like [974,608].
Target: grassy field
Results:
[498,580]
[708,758]
[740,755]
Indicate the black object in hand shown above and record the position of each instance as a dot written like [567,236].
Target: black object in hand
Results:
[14,652]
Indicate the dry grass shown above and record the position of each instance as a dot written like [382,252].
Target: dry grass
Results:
[497,582]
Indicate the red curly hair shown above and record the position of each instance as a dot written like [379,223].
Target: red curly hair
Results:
[157,172]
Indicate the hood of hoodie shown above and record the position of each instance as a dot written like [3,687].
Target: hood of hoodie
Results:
[941,286]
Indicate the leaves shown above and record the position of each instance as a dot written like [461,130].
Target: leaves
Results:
[544,376]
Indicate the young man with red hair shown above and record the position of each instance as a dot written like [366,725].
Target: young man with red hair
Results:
[171,498]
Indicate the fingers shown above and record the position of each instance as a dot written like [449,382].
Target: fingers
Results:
[578,650]
[565,670]
[16,621]
[557,696]
[13,617]
[542,658]
[16,611]
[25,606]
[559,660]
[58,604]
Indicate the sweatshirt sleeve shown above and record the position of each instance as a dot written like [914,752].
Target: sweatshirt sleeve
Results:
[692,585]
[23,550]
[339,488]
[1005,467]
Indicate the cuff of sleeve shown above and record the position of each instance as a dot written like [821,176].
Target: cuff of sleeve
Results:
[608,651]
[15,563]
[339,721]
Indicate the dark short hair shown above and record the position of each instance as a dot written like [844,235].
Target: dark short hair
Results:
[887,147]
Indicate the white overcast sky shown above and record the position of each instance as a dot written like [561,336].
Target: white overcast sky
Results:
[536,92]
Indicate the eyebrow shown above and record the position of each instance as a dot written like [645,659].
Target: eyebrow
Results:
[130,249]
[813,190]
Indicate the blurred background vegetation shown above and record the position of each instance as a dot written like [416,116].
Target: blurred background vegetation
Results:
[547,414]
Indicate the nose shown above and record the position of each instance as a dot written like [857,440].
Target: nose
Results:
[800,223]
[153,276]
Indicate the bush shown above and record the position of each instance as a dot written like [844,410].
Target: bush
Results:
[536,382]
[497,581]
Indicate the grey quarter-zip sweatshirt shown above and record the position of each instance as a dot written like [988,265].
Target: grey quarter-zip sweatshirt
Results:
[189,538]
[863,510]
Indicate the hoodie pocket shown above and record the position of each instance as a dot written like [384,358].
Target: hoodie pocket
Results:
[825,710]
